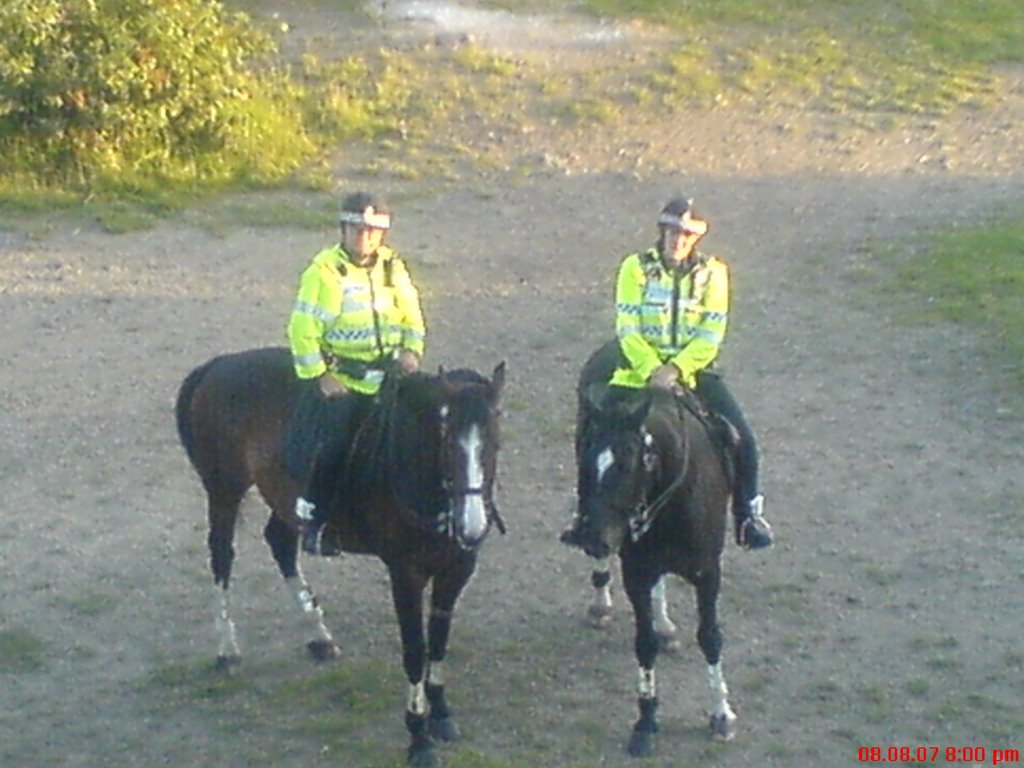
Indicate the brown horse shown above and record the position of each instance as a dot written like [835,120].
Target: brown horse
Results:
[423,503]
[654,488]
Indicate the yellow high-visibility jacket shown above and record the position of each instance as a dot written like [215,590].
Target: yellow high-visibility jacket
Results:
[669,316]
[346,316]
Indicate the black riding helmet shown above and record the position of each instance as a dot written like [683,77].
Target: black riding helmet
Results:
[678,214]
[365,209]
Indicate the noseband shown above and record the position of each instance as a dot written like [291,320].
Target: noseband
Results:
[444,521]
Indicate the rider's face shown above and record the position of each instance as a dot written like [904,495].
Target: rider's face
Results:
[362,242]
[677,244]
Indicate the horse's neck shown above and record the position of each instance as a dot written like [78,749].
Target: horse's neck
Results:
[410,463]
[670,425]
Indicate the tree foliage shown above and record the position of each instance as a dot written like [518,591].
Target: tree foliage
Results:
[104,90]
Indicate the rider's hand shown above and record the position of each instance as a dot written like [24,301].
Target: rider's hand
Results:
[408,361]
[665,377]
[330,386]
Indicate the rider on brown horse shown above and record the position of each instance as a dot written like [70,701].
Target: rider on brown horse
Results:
[357,315]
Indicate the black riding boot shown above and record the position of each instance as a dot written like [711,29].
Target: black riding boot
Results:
[752,530]
[573,535]
[311,527]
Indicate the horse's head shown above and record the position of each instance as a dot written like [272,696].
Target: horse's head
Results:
[469,428]
[617,473]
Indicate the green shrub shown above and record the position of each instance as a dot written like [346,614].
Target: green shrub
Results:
[140,91]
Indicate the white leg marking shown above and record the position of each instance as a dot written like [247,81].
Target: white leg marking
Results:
[646,687]
[719,691]
[662,623]
[474,513]
[417,699]
[600,610]
[311,611]
[435,673]
[226,639]
[603,598]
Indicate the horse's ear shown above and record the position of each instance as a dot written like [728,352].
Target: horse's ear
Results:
[498,380]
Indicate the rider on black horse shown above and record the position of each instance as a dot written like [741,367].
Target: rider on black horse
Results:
[672,308]
[357,315]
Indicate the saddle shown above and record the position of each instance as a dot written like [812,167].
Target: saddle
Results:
[724,436]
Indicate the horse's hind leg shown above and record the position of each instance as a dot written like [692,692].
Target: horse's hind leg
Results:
[283,543]
[222,514]
[721,717]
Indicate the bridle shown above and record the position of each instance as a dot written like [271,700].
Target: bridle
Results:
[445,520]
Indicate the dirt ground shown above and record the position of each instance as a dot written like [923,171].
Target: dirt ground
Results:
[888,615]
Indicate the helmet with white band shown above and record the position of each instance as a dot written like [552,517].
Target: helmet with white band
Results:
[363,209]
[678,214]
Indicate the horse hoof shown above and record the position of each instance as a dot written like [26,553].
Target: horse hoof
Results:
[323,650]
[443,729]
[422,757]
[723,727]
[668,643]
[599,616]
[228,664]
[641,744]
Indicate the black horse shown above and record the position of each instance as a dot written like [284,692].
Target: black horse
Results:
[655,489]
[426,462]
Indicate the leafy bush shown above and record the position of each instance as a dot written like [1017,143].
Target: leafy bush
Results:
[132,92]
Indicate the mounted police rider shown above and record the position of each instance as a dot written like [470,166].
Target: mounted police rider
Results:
[672,308]
[356,316]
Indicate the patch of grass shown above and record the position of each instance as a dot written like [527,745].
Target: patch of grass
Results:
[92,603]
[194,681]
[20,651]
[969,276]
[918,686]
[886,57]
[882,577]
[477,60]
[877,704]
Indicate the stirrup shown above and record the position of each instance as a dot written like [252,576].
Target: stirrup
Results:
[752,530]
[755,533]
[313,540]
[304,509]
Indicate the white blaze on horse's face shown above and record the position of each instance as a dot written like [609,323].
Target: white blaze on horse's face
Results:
[474,508]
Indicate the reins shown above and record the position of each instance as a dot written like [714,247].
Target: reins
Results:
[385,456]
[646,514]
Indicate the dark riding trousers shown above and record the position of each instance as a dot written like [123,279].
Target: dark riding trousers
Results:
[321,434]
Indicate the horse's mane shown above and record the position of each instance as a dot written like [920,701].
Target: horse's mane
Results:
[400,442]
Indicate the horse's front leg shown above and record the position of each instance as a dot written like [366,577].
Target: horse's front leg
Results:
[407,594]
[709,636]
[638,588]
[446,590]
[283,543]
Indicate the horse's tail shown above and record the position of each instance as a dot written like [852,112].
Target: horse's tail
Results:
[183,405]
